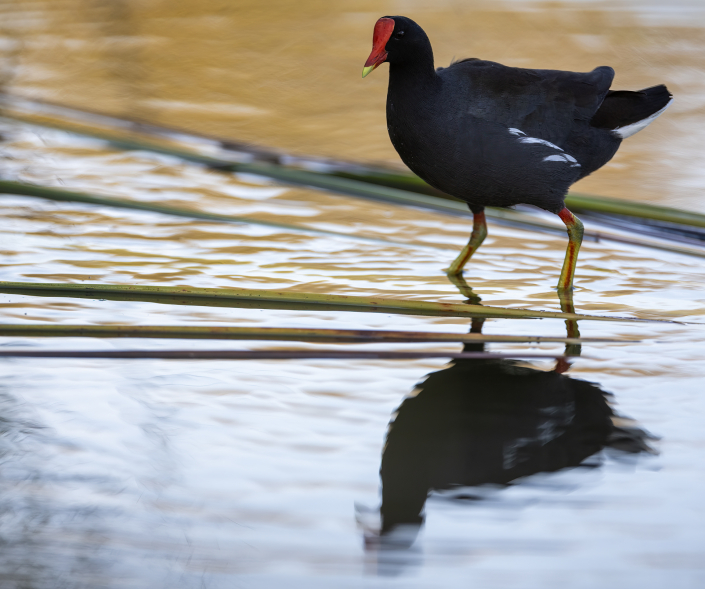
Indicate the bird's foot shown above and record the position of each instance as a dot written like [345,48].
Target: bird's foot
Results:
[453,271]
[465,289]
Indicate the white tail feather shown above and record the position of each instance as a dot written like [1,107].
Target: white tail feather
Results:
[629,130]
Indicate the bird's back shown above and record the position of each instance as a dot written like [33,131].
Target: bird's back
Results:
[496,135]
[547,104]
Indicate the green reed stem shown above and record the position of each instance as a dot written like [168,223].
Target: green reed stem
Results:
[267,355]
[312,300]
[343,177]
[379,186]
[275,333]
[58,194]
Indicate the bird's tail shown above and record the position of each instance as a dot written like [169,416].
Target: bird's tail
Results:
[626,112]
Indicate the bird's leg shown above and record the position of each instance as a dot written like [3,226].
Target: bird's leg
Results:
[565,284]
[575,238]
[571,325]
[479,232]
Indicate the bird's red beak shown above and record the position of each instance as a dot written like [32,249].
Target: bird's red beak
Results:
[384,28]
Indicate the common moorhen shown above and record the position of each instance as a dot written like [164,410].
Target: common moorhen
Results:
[493,135]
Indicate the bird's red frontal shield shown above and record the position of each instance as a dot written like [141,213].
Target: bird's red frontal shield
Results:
[384,28]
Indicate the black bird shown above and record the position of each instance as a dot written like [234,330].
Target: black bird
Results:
[493,135]
[492,421]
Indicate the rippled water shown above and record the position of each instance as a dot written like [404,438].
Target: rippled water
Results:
[122,473]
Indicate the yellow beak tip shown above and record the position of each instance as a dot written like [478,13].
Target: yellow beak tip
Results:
[367,70]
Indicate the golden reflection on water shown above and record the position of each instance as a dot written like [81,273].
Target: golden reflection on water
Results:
[198,472]
[56,242]
[287,74]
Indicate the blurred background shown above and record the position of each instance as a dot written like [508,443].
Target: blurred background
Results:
[286,74]
[259,474]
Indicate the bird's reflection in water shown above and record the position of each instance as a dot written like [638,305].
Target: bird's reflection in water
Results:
[489,421]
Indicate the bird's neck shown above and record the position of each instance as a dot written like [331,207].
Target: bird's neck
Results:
[407,77]
[416,71]
[411,97]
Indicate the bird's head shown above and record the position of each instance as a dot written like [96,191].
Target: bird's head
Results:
[395,39]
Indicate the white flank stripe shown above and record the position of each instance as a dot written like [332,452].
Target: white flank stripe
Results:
[541,141]
[565,158]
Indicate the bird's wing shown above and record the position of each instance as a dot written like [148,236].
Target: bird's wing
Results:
[546,104]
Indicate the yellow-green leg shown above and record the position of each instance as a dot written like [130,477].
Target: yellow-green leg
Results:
[575,238]
[571,325]
[479,232]
[565,284]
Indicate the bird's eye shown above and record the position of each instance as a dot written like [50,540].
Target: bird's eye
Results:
[398,34]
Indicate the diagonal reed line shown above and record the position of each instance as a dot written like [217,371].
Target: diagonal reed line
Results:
[315,335]
[397,189]
[82,118]
[57,194]
[314,300]
[267,355]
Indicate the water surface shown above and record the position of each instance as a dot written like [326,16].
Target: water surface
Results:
[133,473]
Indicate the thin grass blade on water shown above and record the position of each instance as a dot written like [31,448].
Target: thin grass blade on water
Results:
[267,355]
[57,194]
[229,303]
[275,333]
[358,303]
